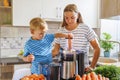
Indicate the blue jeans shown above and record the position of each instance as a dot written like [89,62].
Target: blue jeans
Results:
[45,70]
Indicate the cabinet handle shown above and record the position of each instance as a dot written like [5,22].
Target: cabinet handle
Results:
[57,12]
[40,15]
[60,12]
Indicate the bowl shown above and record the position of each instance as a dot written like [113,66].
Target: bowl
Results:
[105,61]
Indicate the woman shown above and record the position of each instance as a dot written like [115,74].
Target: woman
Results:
[83,35]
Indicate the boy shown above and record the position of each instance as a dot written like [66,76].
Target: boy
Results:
[37,49]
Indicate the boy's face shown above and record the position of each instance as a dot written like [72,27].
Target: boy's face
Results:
[37,34]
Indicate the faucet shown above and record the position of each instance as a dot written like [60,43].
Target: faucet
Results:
[118,42]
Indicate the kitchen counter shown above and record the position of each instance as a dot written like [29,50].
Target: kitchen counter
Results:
[7,67]
[11,61]
[16,60]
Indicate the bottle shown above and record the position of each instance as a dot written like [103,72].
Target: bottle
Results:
[6,3]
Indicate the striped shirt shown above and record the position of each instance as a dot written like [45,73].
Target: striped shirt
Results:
[82,36]
[39,47]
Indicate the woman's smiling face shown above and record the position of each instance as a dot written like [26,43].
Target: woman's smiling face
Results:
[70,18]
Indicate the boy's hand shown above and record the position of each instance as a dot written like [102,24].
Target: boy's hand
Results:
[30,58]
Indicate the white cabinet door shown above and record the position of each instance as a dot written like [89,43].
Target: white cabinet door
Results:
[54,11]
[51,11]
[25,10]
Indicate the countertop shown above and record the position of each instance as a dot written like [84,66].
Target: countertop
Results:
[16,60]
[11,61]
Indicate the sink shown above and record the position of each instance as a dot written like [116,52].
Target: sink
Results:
[105,61]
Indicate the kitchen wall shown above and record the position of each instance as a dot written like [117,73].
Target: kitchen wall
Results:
[14,38]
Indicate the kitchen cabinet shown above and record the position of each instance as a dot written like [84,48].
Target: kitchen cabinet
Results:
[6,12]
[35,8]
[110,8]
[25,10]
[51,11]
[54,12]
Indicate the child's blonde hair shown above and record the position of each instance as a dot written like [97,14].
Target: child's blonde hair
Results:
[72,8]
[38,23]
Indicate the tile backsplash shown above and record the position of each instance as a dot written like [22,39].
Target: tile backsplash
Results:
[12,42]
[10,46]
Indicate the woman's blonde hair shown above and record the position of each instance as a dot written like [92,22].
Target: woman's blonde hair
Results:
[72,8]
[38,23]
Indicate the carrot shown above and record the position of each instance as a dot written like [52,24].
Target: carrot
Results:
[41,76]
[25,78]
[33,76]
[78,77]
[36,78]
[88,77]
[93,76]
[106,78]
[103,78]
[99,77]
[84,77]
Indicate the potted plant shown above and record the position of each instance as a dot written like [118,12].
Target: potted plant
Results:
[106,44]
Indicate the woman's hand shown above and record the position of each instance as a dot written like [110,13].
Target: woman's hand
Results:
[30,58]
[69,36]
[88,69]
